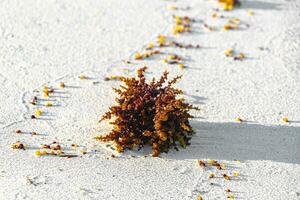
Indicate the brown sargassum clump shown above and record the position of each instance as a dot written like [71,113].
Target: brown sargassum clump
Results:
[149,114]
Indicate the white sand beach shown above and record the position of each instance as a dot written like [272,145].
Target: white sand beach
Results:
[44,43]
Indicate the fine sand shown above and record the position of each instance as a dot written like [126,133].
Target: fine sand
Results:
[43,43]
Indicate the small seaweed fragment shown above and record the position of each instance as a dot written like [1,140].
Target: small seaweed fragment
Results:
[285,120]
[201,163]
[18,145]
[229,4]
[149,114]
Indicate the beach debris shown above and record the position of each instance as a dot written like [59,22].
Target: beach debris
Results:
[114,77]
[38,112]
[18,131]
[43,152]
[171,7]
[49,104]
[18,145]
[208,28]
[285,120]
[37,152]
[236,174]
[229,52]
[47,91]
[33,101]
[29,181]
[223,166]
[229,4]
[218,166]
[181,66]
[238,120]
[82,77]
[240,56]
[150,46]
[211,161]
[211,175]
[62,85]
[227,190]
[149,114]
[182,24]
[237,161]
[201,163]
[138,56]
[230,26]
[74,145]
[226,177]
[250,12]
[215,15]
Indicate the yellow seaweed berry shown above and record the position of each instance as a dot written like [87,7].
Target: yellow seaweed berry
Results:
[37,152]
[240,56]
[38,112]
[250,12]
[83,151]
[199,197]
[211,161]
[62,84]
[223,166]
[207,27]
[138,56]
[161,39]
[82,77]
[46,93]
[285,120]
[146,55]
[229,52]
[236,174]
[212,175]
[172,57]
[230,196]
[165,60]
[59,152]
[239,120]
[43,152]
[48,104]
[46,88]
[52,152]
[150,46]
[227,4]
[178,29]
[234,21]
[171,7]
[215,15]
[227,27]
[181,66]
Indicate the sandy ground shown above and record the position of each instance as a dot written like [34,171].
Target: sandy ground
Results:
[46,42]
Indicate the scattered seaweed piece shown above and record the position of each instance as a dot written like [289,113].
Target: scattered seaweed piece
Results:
[149,114]
[285,120]
[228,178]
[229,4]
[18,145]
[239,120]
[199,197]
[201,163]
[62,85]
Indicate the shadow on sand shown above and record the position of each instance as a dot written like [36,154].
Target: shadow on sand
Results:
[260,5]
[229,141]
